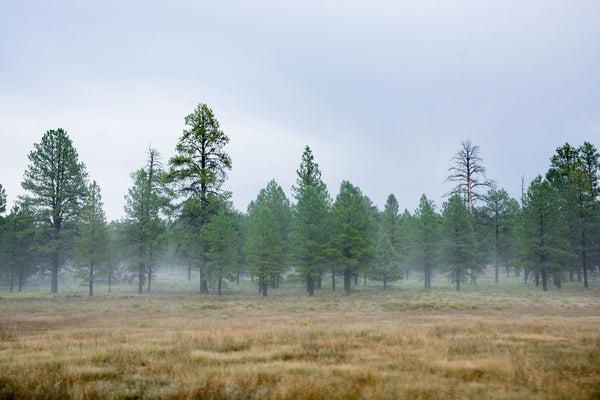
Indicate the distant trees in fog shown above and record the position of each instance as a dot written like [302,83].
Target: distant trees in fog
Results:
[181,216]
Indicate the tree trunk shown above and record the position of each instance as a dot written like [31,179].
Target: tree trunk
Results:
[457,282]
[347,281]
[544,280]
[11,278]
[54,267]
[203,281]
[141,268]
[263,284]
[498,253]
[310,285]
[365,282]
[584,262]
[189,272]
[219,286]
[149,276]
[333,278]
[54,279]
[91,288]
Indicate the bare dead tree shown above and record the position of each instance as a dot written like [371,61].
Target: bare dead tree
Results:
[469,172]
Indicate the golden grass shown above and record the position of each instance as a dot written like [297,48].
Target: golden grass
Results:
[398,345]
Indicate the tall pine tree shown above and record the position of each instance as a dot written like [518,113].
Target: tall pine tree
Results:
[352,243]
[55,182]
[91,242]
[310,230]
[459,247]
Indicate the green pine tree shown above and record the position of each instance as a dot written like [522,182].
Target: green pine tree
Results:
[544,233]
[425,237]
[352,243]
[310,229]
[221,252]
[199,169]
[459,247]
[91,242]
[18,260]
[386,267]
[264,247]
[56,184]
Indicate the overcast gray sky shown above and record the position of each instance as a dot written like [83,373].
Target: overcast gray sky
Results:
[383,92]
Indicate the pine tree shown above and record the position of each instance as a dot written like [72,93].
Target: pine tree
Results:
[543,235]
[221,247]
[263,249]
[386,268]
[18,258]
[143,226]
[499,210]
[310,230]
[459,247]
[469,172]
[425,239]
[352,244]
[91,243]
[576,178]
[200,168]
[56,184]
[274,198]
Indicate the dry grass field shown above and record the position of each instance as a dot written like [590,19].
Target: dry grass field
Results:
[400,344]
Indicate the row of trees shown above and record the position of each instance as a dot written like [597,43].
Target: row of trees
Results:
[180,215]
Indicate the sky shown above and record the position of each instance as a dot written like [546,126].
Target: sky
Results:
[383,92]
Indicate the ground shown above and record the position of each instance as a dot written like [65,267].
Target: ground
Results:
[509,341]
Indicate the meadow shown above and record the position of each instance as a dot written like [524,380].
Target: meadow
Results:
[507,341]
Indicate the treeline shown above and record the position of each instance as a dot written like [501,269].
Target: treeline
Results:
[179,214]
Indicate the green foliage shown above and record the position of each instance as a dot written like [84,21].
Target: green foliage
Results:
[143,226]
[91,243]
[220,236]
[18,258]
[309,175]
[274,198]
[543,235]
[352,244]
[264,247]
[425,236]
[386,268]
[200,165]
[499,214]
[310,222]
[199,169]
[390,223]
[56,184]
[459,247]
[575,173]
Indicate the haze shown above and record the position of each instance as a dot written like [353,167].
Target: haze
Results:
[383,92]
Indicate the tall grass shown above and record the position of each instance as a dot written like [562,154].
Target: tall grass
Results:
[486,342]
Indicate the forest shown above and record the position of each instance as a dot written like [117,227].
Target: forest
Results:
[177,216]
